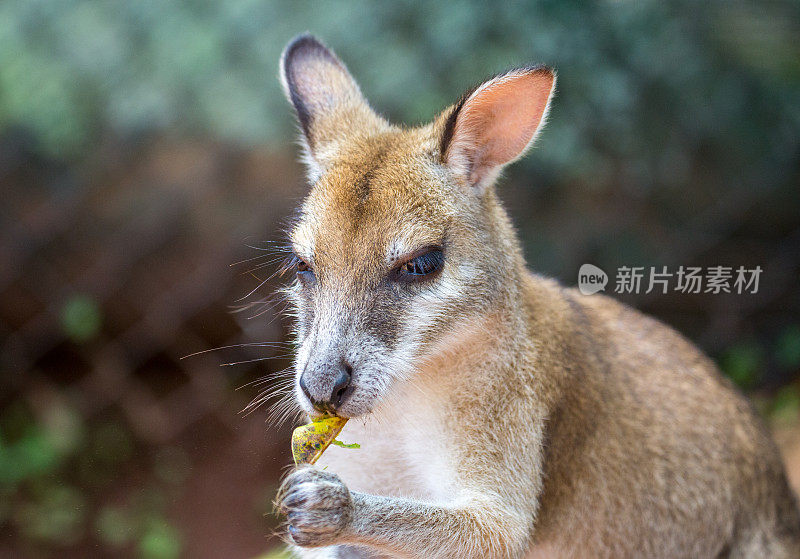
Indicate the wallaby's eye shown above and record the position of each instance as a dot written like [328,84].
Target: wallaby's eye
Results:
[300,267]
[421,266]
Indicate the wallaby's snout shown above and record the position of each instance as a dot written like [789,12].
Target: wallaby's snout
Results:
[342,362]
[328,386]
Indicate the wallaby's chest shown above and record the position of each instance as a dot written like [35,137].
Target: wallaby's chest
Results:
[406,456]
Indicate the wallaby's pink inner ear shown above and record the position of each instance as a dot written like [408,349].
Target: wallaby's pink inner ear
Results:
[496,123]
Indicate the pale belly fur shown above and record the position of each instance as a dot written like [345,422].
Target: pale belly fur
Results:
[401,455]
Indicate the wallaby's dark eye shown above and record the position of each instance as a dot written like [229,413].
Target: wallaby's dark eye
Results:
[421,266]
[302,266]
[299,266]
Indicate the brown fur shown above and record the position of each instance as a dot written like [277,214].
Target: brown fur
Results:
[500,414]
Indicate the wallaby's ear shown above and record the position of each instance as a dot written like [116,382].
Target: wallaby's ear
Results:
[327,100]
[495,123]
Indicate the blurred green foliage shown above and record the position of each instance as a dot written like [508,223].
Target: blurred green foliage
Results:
[30,446]
[39,451]
[81,318]
[160,541]
[785,409]
[743,363]
[746,361]
[680,103]
[788,347]
[645,82]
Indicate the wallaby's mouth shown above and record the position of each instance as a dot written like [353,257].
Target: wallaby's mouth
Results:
[323,416]
[346,401]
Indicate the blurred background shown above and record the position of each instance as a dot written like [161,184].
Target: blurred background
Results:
[145,147]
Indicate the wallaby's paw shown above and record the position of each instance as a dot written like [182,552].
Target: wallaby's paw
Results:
[317,505]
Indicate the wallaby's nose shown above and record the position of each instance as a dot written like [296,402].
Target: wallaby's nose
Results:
[342,384]
[324,400]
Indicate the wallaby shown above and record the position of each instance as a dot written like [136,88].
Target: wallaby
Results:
[500,415]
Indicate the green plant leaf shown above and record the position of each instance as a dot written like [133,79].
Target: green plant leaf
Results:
[345,445]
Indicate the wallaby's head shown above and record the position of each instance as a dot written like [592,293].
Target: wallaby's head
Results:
[400,244]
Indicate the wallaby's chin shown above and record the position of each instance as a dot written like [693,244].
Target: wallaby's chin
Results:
[359,404]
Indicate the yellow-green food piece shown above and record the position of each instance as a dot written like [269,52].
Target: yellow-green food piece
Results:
[310,441]
[345,445]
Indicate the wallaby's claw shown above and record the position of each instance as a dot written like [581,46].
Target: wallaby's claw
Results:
[317,505]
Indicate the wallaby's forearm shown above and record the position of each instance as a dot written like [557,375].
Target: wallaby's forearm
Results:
[322,512]
[478,528]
